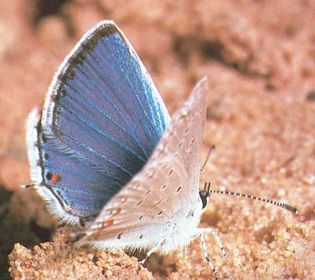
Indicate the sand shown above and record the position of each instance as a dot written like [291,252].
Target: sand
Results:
[259,57]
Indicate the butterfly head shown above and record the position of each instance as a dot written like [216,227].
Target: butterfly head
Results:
[204,194]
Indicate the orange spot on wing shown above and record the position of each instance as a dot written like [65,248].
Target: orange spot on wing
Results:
[55,178]
[107,223]
[113,211]
[116,211]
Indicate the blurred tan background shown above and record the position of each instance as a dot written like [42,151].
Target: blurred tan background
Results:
[259,57]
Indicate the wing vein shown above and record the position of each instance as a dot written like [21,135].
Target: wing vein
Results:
[132,89]
[95,85]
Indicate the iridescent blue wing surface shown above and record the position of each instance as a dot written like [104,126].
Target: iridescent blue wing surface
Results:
[162,202]
[101,120]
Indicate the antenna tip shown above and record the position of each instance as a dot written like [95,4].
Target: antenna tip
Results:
[25,186]
[292,209]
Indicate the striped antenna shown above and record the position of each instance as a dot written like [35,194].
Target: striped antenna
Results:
[211,150]
[26,186]
[265,200]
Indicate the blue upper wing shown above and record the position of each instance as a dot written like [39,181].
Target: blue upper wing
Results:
[101,120]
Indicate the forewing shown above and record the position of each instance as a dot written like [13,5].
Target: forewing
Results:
[101,120]
[168,182]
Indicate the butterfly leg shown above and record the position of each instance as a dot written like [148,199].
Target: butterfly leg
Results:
[206,255]
[152,250]
[216,238]
[201,233]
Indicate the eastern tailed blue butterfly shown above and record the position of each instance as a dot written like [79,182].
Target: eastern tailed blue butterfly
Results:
[103,151]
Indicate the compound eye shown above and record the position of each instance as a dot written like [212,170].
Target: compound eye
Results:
[203,196]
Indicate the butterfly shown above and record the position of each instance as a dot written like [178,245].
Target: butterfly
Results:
[104,152]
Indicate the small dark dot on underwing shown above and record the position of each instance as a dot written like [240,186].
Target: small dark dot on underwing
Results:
[140,218]
[180,144]
[182,117]
[119,235]
[139,202]
[178,189]
[147,192]
[171,171]
[193,141]
[159,201]
[140,237]
[163,187]
[160,213]
[186,130]
[190,214]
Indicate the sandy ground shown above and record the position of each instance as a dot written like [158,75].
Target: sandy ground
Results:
[259,57]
